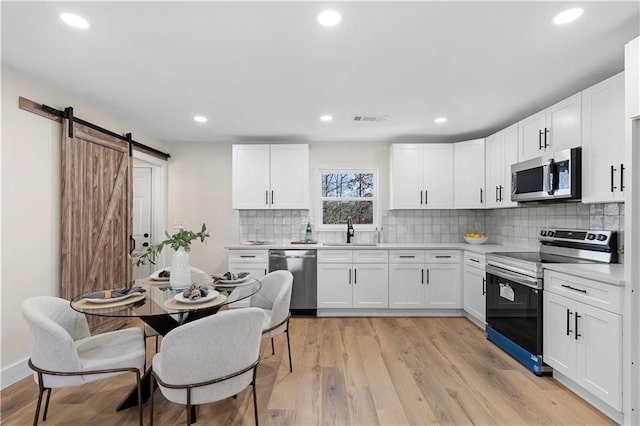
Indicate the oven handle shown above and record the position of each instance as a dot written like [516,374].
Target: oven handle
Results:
[525,281]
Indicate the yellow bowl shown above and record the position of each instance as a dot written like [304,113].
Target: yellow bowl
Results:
[472,240]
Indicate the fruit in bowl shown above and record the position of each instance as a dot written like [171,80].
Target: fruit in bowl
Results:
[475,238]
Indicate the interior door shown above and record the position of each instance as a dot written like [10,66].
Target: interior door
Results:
[142,216]
[96,215]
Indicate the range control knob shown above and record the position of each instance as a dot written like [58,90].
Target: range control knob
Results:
[602,237]
[591,236]
[543,233]
[549,233]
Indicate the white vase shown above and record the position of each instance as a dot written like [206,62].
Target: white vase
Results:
[180,270]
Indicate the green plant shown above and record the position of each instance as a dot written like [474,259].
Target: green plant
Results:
[182,238]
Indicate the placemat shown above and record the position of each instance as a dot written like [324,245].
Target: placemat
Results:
[174,304]
[148,280]
[83,304]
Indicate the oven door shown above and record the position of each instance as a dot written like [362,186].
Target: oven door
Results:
[514,307]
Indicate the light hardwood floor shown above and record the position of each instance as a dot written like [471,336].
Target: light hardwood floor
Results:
[349,371]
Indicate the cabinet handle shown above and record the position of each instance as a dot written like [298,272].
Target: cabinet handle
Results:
[484,284]
[539,140]
[406,257]
[266,197]
[272,197]
[355,276]
[569,331]
[349,275]
[244,256]
[480,195]
[426,197]
[442,256]
[545,137]
[500,193]
[422,276]
[474,260]
[574,289]
[265,271]
[576,326]
[427,276]
[621,177]
[420,197]
[612,171]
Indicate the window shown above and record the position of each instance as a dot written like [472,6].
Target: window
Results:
[348,192]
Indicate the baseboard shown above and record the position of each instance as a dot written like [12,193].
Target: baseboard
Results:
[603,407]
[14,373]
[480,323]
[390,312]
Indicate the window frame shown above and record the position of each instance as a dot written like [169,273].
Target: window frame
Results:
[330,168]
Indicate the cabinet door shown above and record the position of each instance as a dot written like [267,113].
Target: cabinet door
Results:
[437,167]
[289,177]
[334,286]
[510,156]
[442,286]
[531,140]
[599,348]
[603,141]
[250,184]
[494,169]
[469,174]
[406,285]
[370,285]
[563,122]
[256,270]
[559,348]
[406,177]
[474,292]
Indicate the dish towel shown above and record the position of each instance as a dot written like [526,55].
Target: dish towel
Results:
[116,292]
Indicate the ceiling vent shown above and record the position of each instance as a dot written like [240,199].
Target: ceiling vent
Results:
[370,117]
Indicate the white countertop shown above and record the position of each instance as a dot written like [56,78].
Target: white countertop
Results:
[608,273]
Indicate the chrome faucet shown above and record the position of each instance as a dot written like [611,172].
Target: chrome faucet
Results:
[350,231]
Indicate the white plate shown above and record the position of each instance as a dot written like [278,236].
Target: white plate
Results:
[113,299]
[180,298]
[155,276]
[238,281]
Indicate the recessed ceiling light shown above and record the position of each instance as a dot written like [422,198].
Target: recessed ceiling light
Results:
[74,20]
[326,117]
[567,16]
[200,119]
[440,120]
[329,18]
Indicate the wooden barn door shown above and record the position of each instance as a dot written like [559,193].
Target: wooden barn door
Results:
[96,215]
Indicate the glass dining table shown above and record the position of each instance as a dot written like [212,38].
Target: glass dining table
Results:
[164,309]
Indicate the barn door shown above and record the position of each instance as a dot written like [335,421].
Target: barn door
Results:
[96,215]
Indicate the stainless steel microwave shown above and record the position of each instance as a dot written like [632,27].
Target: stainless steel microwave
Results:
[556,176]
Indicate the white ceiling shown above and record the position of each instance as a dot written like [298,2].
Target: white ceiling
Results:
[267,70]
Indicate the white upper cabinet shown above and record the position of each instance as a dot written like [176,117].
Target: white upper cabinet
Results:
[469,174]
[553,129]
[632,77]
[603,122]
[501,152]
[270,177]
[421,176]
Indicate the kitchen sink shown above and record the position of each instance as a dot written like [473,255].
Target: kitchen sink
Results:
[350,244]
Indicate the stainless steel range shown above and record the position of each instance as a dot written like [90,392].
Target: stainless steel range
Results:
[515,286]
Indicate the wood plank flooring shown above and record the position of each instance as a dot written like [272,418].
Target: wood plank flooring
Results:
[349,371]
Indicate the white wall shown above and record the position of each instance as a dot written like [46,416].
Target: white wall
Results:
[30,223]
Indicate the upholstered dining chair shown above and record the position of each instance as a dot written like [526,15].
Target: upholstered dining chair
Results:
[209,359]
[274,299]
[64,353]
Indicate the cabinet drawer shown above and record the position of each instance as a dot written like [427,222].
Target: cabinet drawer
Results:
[590,292]
[442,256]
[335,256]
[370,256]
[406,256]
[474,260]
[238,256]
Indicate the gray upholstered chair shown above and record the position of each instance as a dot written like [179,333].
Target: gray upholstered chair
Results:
[274,299]
[63,352]
[209,359]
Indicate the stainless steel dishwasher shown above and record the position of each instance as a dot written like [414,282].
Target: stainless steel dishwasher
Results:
[303,265]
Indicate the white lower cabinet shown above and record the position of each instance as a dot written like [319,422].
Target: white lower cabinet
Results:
[474,287]
[353,279]
[424,279]
[583,342]
[255,262]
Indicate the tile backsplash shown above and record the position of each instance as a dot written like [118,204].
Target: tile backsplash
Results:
[515,226]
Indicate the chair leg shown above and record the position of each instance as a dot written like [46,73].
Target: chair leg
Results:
[151,401]
[41,390]
[289,348]
[46,405]
[188,406]
[273,349]
[255,397]
[139,385]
